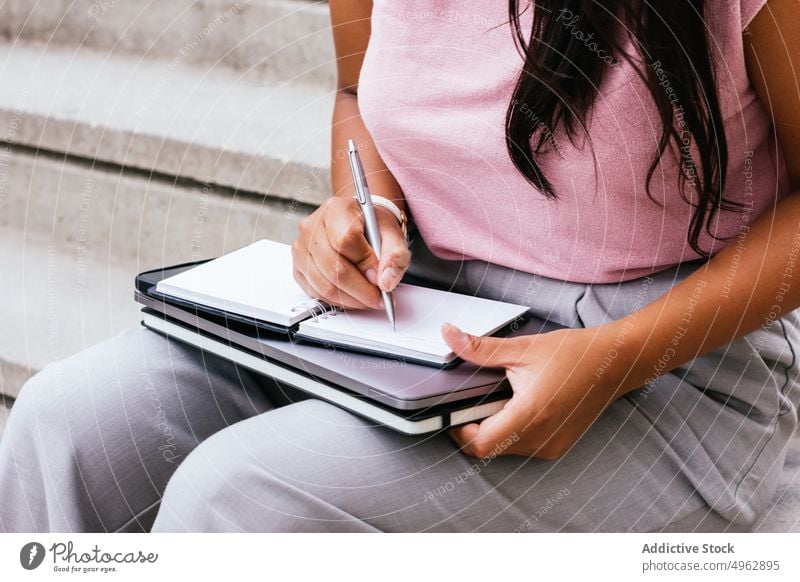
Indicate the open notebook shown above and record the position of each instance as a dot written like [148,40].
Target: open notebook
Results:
[256,282]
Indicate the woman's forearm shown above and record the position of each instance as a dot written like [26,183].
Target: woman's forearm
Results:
[347,124]
[750,283]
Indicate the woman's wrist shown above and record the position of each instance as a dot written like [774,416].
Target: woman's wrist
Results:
[622,367]
[650,345]
[379,202]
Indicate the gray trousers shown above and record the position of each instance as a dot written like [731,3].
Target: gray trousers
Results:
[141,433]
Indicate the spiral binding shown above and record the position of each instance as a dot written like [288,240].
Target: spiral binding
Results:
[317,309]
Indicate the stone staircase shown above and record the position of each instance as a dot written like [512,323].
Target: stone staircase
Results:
[138,133]
[142,133]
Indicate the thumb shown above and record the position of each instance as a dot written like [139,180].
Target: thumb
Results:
[491,352]
[486,438]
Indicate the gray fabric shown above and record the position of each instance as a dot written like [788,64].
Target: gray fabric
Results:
[701,449]
[92,440]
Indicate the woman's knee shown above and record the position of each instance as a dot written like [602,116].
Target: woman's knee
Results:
[269,473]
[204,489]
[101,389]
[46,400]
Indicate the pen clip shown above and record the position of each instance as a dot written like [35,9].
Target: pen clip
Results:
[357,169]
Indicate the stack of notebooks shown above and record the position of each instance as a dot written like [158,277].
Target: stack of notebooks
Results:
[256,282]
[246,307]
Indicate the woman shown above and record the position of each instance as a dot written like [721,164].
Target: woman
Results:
[626,169]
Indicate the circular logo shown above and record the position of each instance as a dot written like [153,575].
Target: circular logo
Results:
[31,555]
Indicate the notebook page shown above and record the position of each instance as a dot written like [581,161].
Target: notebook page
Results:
[254,281]
[420,314]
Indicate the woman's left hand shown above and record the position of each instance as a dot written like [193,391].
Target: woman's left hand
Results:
[561,381]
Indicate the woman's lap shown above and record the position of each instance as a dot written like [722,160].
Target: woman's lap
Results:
[110,426]
[93,440]
[697,447]
[724,417]
[313,467]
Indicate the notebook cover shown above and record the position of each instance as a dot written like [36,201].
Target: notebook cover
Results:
[146,284]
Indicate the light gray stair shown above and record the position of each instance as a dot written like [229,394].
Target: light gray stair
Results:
[178,121]
[133,218]
[146,134]
[5,408]
[72,238]
[61,304]
[272,40]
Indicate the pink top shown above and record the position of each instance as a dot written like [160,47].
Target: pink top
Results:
[435,84]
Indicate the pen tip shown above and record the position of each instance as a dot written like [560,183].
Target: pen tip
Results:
[351,145]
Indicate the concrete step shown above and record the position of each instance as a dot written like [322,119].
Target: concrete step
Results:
[74,235]
[272,139]
[102,213]
[5,408]
[275,40]
[54,303]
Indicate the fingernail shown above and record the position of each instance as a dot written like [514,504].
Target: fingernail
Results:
[372,276]
[454,332]
[390,278]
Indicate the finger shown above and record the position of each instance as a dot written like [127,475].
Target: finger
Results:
[322,288]
[345,232]
[303,282]
[312,280]
[494,436]
[464,435]
[344,275]
[492,352]
[395,256]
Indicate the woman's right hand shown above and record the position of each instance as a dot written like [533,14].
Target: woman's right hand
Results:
[333,260]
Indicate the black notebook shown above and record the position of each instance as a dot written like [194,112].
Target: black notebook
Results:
[256,282]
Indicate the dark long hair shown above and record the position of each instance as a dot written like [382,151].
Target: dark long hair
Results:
[571,45]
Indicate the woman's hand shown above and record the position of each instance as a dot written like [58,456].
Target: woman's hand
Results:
[334,262]
[561,381]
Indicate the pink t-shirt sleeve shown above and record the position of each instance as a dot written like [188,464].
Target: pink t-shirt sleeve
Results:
[748,10]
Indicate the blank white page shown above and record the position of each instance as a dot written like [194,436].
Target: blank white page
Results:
[420,314]
[255,281]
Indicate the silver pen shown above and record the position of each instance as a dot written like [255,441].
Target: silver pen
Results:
[370,220]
